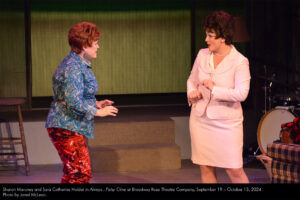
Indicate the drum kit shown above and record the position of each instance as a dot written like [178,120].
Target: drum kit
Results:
[279,109]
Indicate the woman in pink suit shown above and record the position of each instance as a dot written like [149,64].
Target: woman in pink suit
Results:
[218,82]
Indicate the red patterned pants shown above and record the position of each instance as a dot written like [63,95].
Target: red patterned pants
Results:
[74,154]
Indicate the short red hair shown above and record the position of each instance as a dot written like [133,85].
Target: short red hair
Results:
[82,35]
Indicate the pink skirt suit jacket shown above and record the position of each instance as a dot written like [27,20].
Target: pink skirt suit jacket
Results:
[216,120]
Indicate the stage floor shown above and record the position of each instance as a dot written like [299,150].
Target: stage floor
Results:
[189,173]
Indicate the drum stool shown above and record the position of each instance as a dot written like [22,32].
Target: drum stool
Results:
[15,140]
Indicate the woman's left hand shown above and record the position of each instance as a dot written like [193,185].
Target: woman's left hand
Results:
[208,84]
[103,103]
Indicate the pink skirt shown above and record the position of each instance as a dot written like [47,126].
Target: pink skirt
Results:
[216,142]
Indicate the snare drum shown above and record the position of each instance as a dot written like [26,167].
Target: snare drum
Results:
[269,126]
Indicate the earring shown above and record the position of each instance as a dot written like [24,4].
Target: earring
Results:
[223,41]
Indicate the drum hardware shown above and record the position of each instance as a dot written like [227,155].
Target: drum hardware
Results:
[254,154]
[282,103]
[267,88]
[269,130]
[267,97]
[281,107]
[284,100]
[268,83]
[270,126]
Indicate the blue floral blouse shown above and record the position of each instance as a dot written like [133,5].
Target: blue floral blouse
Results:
[74,83]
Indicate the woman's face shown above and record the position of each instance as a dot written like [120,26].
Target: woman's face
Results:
[91,52]
[213,43]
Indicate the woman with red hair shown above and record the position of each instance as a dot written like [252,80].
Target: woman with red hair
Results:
[74,106]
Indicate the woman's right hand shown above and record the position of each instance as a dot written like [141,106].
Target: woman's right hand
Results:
[194,96]
[107,111]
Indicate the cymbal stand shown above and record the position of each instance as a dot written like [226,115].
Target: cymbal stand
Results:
[270,95]
[267,97]
[265,90]
[254,154]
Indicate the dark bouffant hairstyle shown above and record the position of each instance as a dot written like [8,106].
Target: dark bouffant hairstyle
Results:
[222,24]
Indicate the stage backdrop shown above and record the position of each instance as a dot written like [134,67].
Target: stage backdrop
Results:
[144,48]
[12,50]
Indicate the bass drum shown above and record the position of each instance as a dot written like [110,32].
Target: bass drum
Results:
[269,126]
